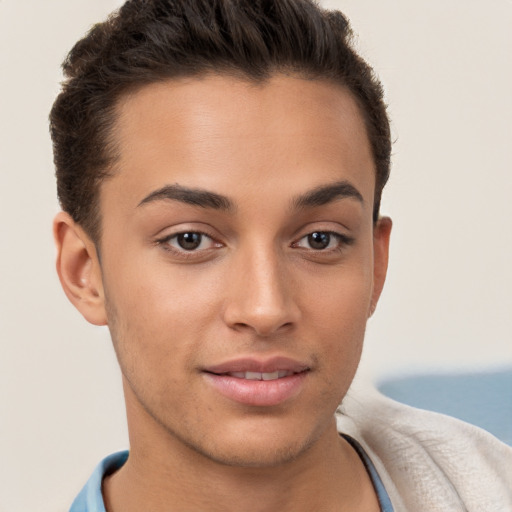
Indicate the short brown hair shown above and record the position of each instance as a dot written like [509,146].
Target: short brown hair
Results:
[147,41]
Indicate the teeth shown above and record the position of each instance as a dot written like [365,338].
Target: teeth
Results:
[253,376]
[261,375]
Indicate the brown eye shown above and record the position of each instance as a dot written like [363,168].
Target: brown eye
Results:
[323,241]
[319,240]
[189,241]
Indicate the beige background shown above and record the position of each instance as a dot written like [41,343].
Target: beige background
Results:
[446,68]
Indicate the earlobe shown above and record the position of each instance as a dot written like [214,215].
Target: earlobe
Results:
[381,236]
[78,269]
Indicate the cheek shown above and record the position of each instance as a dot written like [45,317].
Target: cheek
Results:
[160,296]
[338,317]
[340,300]
[154,318]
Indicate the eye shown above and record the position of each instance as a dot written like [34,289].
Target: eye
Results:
[323,240]
[189,241]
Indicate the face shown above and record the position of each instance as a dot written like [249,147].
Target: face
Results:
[239,262]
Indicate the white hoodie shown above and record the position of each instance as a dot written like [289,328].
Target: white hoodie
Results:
[429,462]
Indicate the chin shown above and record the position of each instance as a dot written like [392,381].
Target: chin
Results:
[254,455]
[262,444]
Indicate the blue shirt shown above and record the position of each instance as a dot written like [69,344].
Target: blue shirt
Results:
[90,498]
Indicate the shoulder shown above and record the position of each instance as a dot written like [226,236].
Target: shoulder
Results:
[430,461]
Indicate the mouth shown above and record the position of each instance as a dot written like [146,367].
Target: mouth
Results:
[252,368]
[258,383]
[279,374]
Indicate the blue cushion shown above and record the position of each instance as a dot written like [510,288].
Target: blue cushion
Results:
[483,399]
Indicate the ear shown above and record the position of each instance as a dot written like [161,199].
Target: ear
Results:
[79,269]
[381,235]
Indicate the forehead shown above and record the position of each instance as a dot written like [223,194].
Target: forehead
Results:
[212,131]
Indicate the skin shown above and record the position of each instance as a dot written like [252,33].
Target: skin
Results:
[255,287]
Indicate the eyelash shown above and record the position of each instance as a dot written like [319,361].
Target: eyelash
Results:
[343,242]
[184,253]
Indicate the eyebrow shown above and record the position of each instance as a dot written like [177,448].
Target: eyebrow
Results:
[205,199]
[192,196]
[326,194]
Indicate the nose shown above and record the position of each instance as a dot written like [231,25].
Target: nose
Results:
[260,294]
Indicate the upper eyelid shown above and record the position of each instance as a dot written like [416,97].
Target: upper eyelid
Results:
[171,236]
[183,232]
[322,225]
[329,231]
[170,232]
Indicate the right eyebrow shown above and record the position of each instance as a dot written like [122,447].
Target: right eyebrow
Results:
[327,194]
[193,196]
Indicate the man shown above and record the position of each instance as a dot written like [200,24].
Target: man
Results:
[220,166]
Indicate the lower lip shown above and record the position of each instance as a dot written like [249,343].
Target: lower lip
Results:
[261,393]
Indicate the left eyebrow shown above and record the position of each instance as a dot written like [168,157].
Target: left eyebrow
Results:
[326,194]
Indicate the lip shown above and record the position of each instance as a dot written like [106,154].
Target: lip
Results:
[257,393]
[249,364]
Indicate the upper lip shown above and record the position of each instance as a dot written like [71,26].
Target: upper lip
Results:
[250,364]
